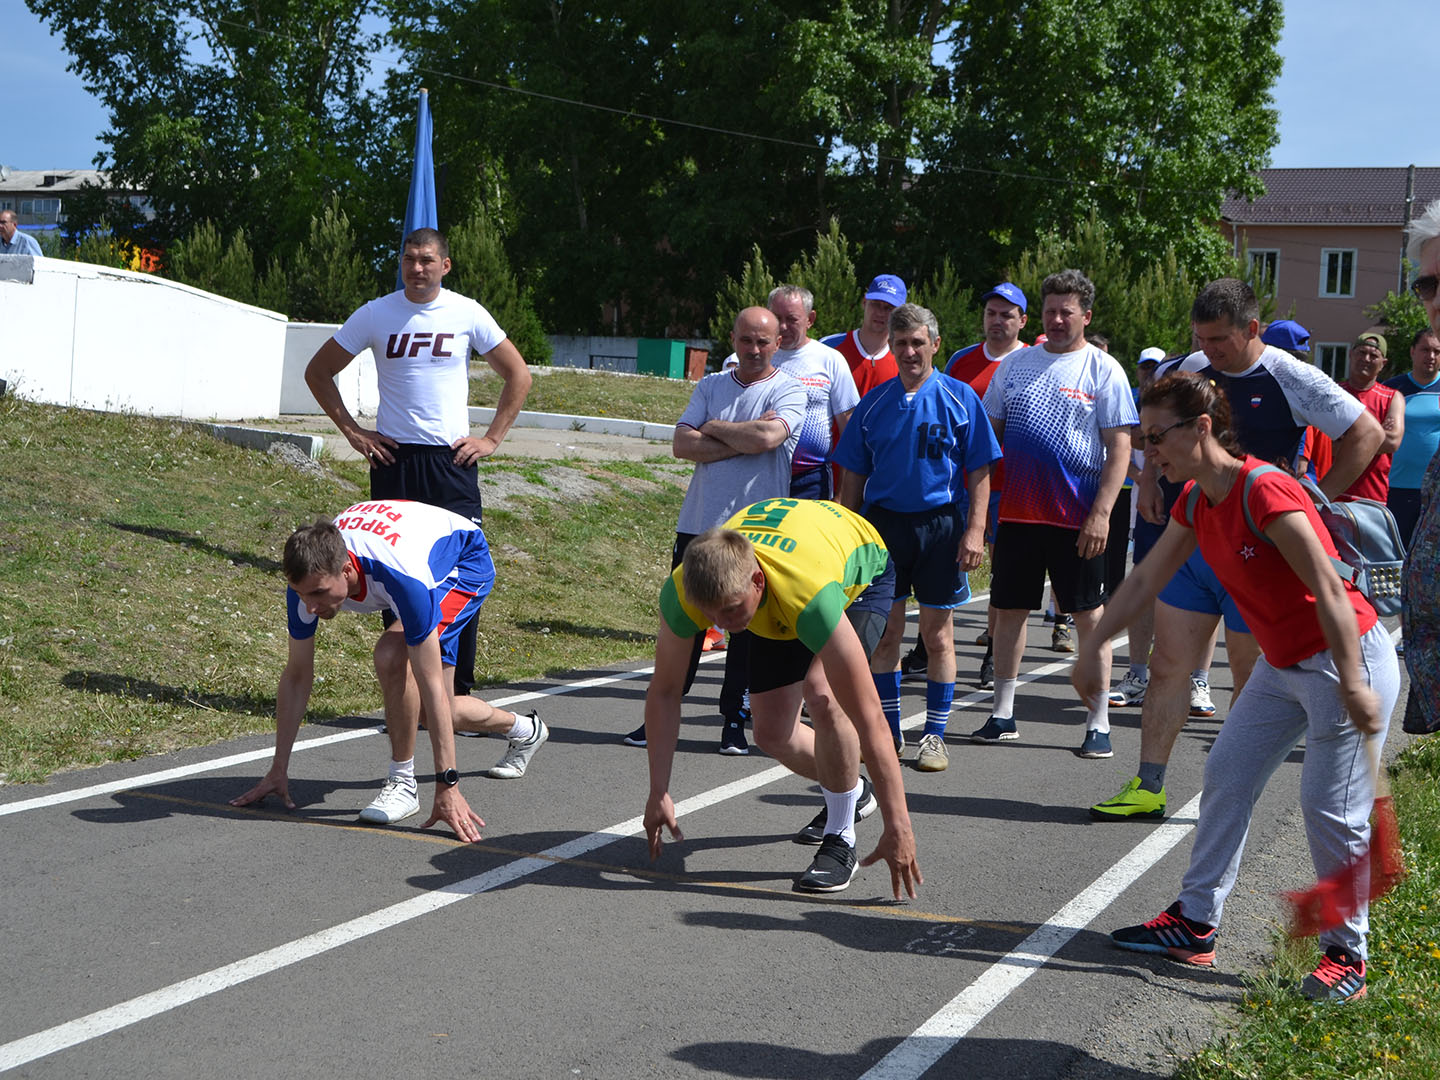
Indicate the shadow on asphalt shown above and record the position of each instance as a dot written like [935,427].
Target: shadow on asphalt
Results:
[973,1059]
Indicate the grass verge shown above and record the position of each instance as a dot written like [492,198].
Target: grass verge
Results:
[593,393]
[141,604]
[1392,1032]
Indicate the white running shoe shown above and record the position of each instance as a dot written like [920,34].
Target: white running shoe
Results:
[1200,704]
[933,756]
[1130,690]
[395,802]
[517,758]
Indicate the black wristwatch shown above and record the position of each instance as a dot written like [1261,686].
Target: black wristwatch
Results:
[448,777]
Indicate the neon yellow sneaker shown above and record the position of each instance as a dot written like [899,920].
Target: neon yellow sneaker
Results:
[1133,802]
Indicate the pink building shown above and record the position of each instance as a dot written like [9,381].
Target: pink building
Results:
[1332,240]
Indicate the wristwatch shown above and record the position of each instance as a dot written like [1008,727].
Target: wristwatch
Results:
[448,777]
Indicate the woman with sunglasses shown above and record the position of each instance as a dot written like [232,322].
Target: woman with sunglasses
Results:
[1328,673]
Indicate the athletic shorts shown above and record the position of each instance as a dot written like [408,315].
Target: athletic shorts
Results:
[1404,504]
[1196,588]
[1146,536]
[1025,552]
[474,579]
[922,546]
[1117,544]
[774,664]
[812,483]
[428,473]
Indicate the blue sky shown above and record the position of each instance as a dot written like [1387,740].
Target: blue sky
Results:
[1349,92]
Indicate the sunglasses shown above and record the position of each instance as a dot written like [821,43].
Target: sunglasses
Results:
[1155,438]
[1424,287]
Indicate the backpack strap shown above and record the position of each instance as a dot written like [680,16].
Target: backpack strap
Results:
[1191,501]
[1259,470]
[1354,576]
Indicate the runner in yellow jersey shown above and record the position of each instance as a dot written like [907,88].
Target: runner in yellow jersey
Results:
[813,582]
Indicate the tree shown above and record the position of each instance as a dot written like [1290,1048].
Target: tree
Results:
[203,260]
[247,115]
[328,278]
[829,273]
[953,305]
[482,271]
[751,289]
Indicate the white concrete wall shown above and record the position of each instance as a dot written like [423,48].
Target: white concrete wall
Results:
[357,384]
[98,338]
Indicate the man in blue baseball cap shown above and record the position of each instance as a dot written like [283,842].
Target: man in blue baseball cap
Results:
[867,349]
[1289,335]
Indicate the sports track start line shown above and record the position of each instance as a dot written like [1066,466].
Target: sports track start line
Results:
[910,1059]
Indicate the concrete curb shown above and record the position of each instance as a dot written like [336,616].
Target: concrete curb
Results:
[261,439]
[595,425]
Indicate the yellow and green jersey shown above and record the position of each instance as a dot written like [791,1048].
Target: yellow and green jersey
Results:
[817,557]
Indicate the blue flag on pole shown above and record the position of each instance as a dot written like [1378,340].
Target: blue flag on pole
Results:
[420,210]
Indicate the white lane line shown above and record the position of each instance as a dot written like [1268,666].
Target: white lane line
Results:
[214,764]
[64,1036]
[938,1035]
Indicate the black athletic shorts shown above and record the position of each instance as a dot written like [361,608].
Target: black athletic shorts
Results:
[923,547]
[428,474]
[1025,552]
[774,664]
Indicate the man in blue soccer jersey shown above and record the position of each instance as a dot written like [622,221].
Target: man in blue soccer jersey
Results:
[914,449]
[432,569]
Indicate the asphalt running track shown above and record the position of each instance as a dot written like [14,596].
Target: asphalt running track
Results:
[151,929]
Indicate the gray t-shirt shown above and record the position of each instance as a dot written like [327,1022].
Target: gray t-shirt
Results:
[720,488]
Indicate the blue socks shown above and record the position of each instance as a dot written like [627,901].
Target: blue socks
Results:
[887,685]
[938,697]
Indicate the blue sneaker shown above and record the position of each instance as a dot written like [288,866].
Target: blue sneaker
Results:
[1096,745]
[996,730]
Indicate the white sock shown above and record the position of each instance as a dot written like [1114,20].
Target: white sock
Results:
[1098,718]
[1004,706]
[522,728]
[403,770]
[841,808]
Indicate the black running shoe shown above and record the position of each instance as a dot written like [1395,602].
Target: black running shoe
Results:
[636,737]
[831,869]
[814,833]
[1340,977]
[1169,934]
[987,671]
[732,738]
[916,663]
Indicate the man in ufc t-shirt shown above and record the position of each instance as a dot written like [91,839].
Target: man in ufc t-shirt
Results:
[422,337]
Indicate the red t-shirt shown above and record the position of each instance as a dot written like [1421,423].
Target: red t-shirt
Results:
[973,366]
[869,373]
[1374,482]
[1277,606]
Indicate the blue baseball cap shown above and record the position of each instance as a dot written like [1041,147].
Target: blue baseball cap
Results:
[1006,291]
[886,287]
[1287,334]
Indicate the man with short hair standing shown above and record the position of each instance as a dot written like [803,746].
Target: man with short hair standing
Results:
[830,393]
[422,336]
[1368,361]
[740,428]
[1063,413]
[12,240]
[916,446]
[867,349]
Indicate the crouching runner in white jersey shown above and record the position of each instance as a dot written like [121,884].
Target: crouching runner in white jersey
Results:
[433,570]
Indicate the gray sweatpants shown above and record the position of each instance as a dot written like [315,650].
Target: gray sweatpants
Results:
[1277,707]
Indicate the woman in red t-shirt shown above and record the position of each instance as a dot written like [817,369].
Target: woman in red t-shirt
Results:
[1328,674]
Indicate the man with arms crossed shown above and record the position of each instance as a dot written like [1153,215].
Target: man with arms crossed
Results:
[813,581]
[917,445]
[1063,413]
[422,337]
[432,569]
[1273,397]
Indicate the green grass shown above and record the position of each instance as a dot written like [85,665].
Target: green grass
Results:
[141,604]
[1394,1032]
[586,393]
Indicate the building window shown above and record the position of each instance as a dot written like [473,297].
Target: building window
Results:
[1337,271]
[1264,269]
[1333,358]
